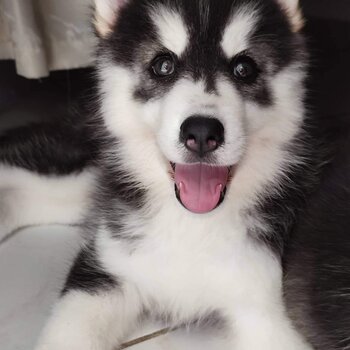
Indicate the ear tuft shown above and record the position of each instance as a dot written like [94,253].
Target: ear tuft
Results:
[106,14]
[294,13]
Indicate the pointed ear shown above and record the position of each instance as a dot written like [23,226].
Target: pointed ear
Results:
[106,15]
[293,10]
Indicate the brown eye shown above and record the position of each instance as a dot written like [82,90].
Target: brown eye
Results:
[245,69]
[163,66]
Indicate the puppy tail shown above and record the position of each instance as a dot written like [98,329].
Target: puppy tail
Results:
[46,175]
[28,199]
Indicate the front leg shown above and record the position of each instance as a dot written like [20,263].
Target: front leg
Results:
[266,329]
[96,312]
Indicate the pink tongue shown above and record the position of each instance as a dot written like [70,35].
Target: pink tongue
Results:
[200,186]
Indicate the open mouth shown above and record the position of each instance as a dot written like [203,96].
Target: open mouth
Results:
[200,187]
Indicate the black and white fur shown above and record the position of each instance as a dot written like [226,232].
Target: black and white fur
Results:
[145,253]
[46,175]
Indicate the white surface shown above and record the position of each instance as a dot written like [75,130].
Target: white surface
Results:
[33,266]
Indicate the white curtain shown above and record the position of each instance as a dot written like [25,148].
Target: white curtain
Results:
[46,35]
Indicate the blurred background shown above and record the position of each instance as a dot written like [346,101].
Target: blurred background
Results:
[46,54]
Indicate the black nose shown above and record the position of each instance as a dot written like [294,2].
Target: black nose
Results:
[202,135]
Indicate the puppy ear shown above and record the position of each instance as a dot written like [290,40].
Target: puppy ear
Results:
[106,15]
[293,11]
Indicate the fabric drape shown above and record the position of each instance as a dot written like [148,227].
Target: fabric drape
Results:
[46,35]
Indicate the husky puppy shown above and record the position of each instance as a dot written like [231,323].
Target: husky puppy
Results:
[201,112]
[203,167]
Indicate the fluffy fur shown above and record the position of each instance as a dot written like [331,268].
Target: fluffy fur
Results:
[47,173]
[145,253]
[317,261]
[28,199]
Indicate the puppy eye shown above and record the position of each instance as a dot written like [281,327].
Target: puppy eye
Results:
[163,66]
[245,69]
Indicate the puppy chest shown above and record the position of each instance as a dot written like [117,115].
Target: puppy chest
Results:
[184,261]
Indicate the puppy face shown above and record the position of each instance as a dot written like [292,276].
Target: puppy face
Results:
[197,84]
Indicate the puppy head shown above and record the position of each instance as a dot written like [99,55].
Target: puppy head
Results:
[203,89]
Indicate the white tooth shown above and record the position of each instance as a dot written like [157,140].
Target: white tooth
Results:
[181,186]
[220,187]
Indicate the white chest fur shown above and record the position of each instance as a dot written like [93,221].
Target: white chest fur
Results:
[183,266]
[194,262]
[187,266]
